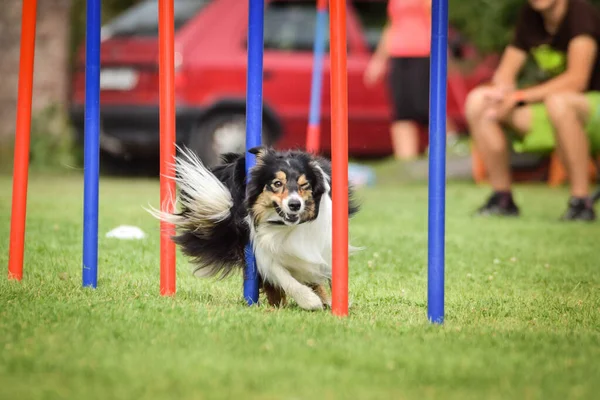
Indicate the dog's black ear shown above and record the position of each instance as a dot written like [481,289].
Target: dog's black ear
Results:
[260,152]
[257,150]
[321,177]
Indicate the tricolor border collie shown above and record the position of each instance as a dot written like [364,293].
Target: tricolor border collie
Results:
[285,211]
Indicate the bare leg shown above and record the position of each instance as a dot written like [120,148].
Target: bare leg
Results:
[451,127]
[490,138]
[405,139]
[568,113]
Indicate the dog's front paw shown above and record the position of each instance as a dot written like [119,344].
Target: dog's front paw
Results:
[307,299]
[322,293]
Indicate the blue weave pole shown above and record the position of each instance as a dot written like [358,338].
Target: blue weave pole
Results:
[91,144]
[437,161]
[313,135]
[317,73]
[254,109]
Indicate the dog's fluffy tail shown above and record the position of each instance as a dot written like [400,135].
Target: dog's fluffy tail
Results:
[204,223]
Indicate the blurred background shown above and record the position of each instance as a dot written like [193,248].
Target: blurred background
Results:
[210,76]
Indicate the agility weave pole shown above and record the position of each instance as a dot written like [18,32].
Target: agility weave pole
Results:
[437,162]
[313,132]
[166,68]
[22,139]
[254,111]
[91,150]
[339,123]
[91,163]
[339,136]
[339,157]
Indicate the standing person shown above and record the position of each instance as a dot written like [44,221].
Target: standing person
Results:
[405,44]
[563,37]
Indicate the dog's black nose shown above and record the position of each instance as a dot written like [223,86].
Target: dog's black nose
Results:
[294,204]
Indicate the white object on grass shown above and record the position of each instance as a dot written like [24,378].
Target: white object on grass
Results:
[126,232]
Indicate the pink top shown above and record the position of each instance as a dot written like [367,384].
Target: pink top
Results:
[410,29]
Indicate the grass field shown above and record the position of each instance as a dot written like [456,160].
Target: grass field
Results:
[522,308]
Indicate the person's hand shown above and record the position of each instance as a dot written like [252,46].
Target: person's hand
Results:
[499,102]
[506,106]
[374,71]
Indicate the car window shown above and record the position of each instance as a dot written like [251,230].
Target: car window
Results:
[142,19]
[290,26]
[373,16]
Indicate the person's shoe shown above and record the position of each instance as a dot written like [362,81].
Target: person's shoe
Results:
[501,204]
[579,209]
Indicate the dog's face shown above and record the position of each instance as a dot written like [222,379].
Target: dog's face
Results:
[285,187]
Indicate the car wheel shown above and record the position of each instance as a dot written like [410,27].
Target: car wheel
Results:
[220,134]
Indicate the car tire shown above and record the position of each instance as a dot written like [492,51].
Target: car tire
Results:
[222,133]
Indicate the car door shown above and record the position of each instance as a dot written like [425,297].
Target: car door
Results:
[289,32]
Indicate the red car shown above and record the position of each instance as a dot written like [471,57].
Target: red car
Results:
[210,81]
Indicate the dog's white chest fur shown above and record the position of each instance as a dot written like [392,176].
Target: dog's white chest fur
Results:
[303,250]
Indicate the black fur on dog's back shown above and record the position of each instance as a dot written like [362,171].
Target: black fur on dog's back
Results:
[218,251]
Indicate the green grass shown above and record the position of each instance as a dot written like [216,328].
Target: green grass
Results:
[522,308]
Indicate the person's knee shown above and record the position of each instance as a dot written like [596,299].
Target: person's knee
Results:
[558,105]
[476,108]
[475,104]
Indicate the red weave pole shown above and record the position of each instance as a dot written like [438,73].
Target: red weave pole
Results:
[22,136]
[313,135]
[339,156]
[166,67]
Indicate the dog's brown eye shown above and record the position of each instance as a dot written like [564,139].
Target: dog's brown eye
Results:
[277,184]
[305,186]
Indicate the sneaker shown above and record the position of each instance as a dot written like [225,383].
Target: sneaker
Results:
[499,203]
[579,210]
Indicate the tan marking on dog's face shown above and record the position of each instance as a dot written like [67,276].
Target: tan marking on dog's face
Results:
[305,191]
[262,206]
[275,192]
[281,176]
[304,187]
[279,187]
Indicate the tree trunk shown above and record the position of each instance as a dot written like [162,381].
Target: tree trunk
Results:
[51,71]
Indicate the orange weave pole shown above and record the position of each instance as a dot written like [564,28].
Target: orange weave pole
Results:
[313,135]
[166,66]
[22,136]
[339,156]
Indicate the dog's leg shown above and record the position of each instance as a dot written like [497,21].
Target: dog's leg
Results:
[275,296]
[304,296]
[327,298]
[321,291]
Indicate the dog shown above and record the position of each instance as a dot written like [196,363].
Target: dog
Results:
[284,209]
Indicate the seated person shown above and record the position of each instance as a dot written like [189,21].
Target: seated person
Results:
[562,112]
